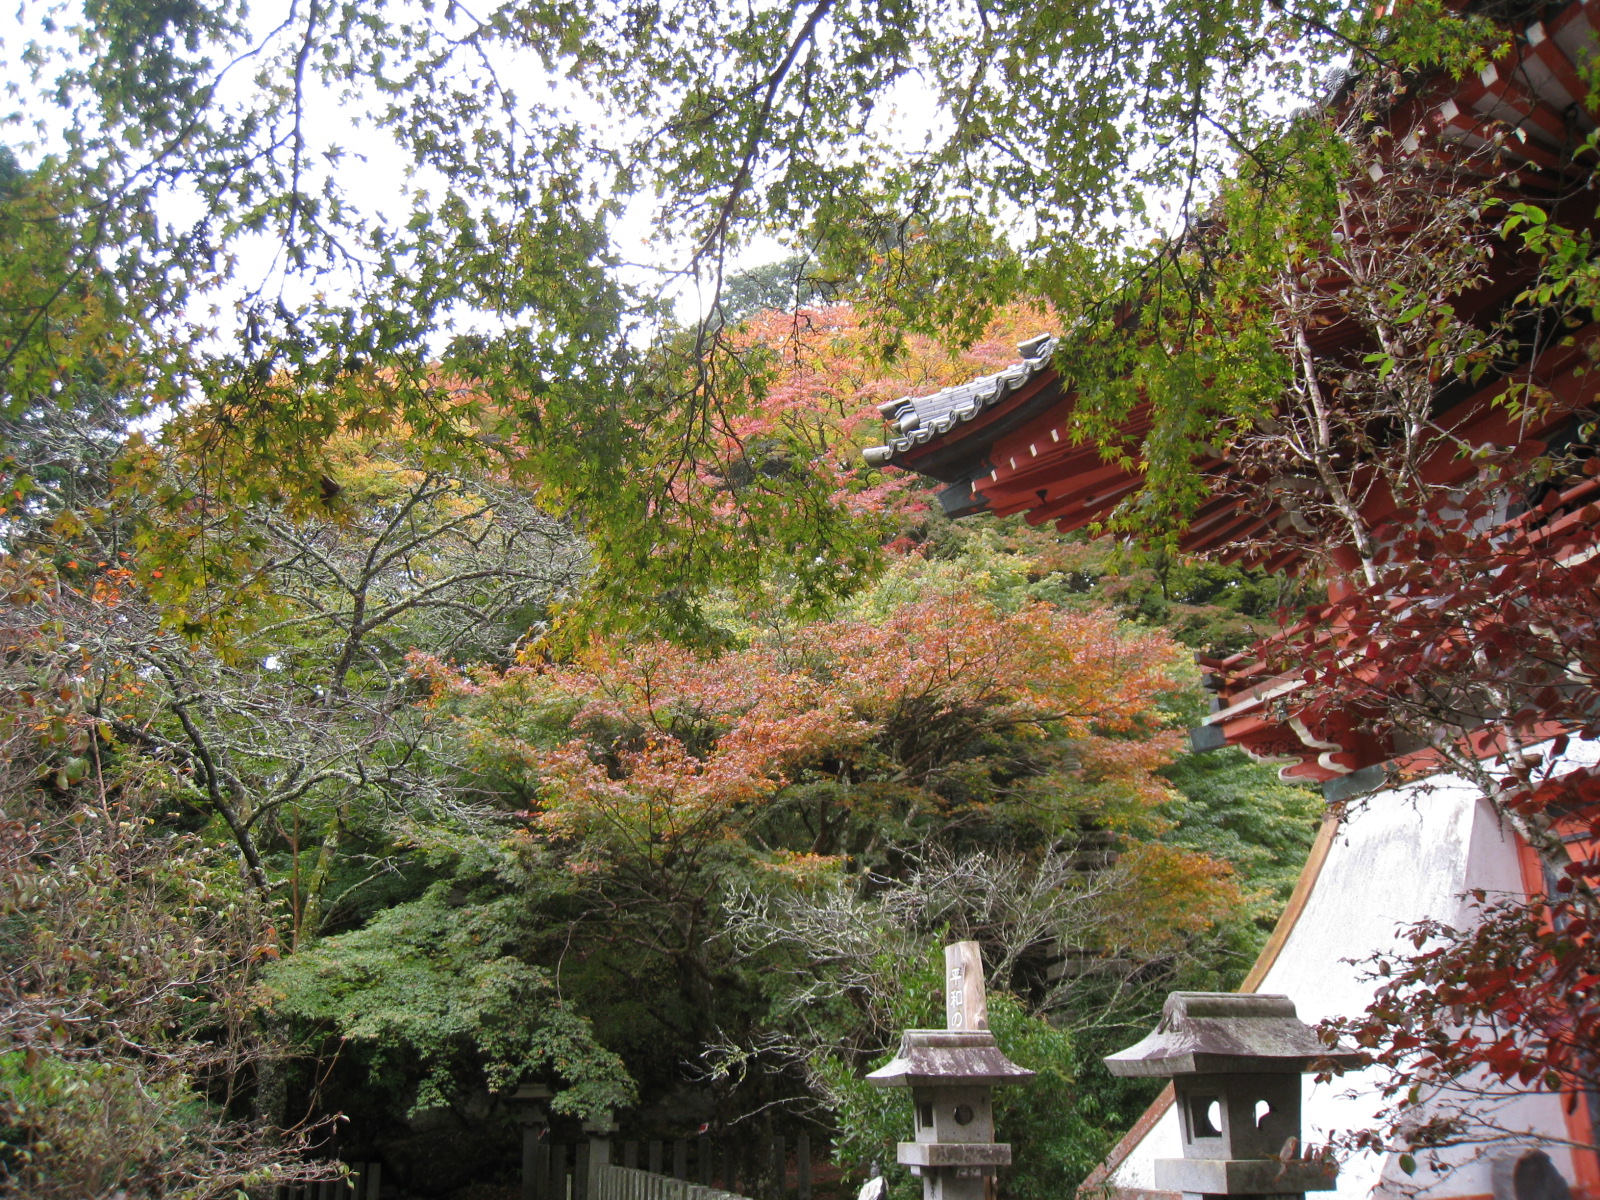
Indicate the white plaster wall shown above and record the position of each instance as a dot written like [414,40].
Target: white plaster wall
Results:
[1401,856]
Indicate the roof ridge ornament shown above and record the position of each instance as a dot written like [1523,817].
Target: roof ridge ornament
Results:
[1039,345]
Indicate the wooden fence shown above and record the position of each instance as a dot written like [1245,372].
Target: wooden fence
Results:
[744,1167]
[753,1167]
[628,1183]
[701,1168]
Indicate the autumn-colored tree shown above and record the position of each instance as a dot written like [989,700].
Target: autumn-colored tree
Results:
[823,370]
[1503,1004]
[505,268]
[914,709]
[131,947]
[656,776]
[1475,649]
[795,392]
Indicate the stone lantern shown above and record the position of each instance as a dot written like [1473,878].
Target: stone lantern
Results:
[529,1102]
[952,1073]
[1235,1062]
[600,1129]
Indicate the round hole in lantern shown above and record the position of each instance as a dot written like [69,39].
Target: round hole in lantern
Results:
[1205,1117]
[963,1114]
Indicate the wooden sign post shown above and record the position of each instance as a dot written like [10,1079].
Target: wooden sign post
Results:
[966,1004]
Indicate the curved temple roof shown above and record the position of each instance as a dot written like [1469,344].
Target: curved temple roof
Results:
[1009,442]
[920,419]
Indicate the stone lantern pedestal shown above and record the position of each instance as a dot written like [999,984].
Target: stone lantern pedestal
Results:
[600,1130]
[529,1102]
[952,1073]
[1235,1062]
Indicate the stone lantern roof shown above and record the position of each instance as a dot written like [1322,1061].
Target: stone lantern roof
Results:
[1205,1033]
[947,1056]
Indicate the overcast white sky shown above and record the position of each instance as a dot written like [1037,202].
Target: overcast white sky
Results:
[374,174]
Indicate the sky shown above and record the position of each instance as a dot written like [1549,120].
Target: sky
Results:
[375,175]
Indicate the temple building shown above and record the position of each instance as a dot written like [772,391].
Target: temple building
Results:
[1391,854]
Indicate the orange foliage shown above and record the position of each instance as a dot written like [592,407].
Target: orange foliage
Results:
[825,381]
[644,751]
[1180,892]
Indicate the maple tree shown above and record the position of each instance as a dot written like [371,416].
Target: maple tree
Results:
[1481,1012]
[796,399]
[134,1060]
[1475,648]
[824,373]
[498,259]
[446,997]
[677,751]
[657,781]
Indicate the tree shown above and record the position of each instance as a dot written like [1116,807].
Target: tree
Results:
[782,286]
[781,448]
[1479,1013]
[75,314]
[306,714]
[441,1004]
[658,782]
[1486,668]
[142,760]
[649,755]
[846,965]
[499,268]
[823,381]
[131,956]
[1397,456]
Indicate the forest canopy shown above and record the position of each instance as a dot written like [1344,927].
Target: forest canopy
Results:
[183,226]
[444,844]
